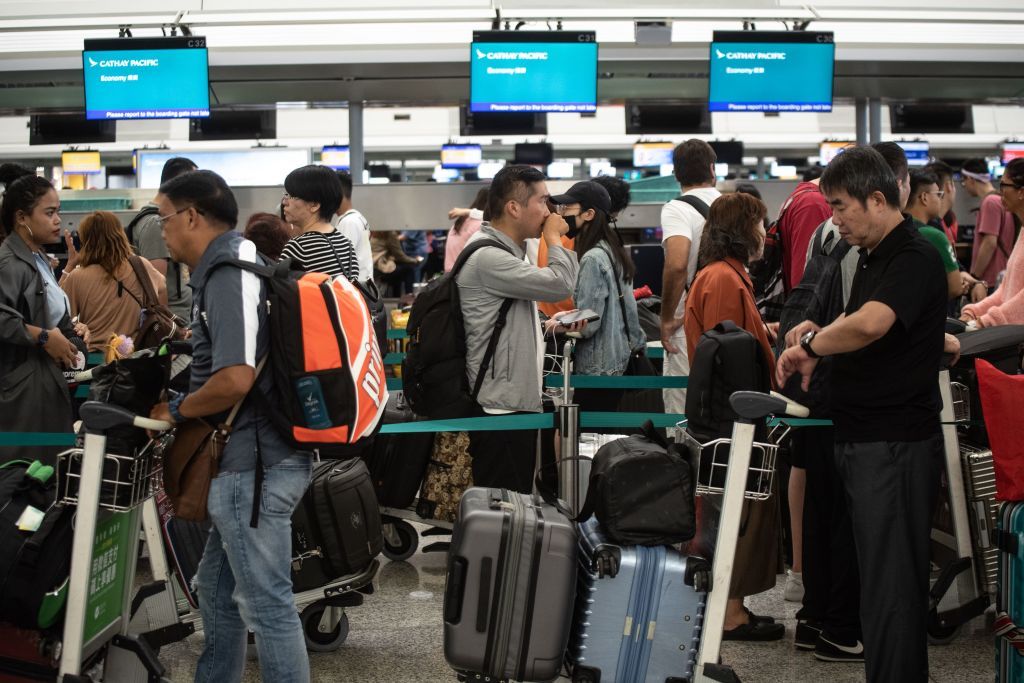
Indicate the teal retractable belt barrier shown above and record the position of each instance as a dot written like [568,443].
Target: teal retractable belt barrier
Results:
[798,422]
[630,420]
[398,334]
[37,439]
[95,358]
[490,423]
[618,381]
[655,351]
[394,383]
[394,358]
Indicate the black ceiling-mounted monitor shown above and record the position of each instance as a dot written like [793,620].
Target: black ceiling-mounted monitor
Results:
[242,124]
[728,151]
[69,129]
[909,119]
[666,119]
[476,123]
[534,153]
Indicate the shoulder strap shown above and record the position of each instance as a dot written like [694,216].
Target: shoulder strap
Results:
[266,271]
[143,212]
[149,296]
[698,204]
[330,245]
[472,248]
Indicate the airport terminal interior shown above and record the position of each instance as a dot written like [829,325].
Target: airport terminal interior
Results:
[414,100]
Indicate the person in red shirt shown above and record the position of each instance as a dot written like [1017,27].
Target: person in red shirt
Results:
[799,217]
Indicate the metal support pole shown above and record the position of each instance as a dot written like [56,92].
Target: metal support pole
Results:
[357,159]
[875,115]
[862,121]
[569,465]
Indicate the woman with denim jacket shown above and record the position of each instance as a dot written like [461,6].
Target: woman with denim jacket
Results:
[605,286]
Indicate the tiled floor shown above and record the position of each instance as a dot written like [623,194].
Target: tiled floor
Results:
[396,636]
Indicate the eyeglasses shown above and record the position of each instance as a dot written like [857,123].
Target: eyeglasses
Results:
[1013,185]
[163,219]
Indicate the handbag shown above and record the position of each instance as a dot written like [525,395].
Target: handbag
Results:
[192,460]
[1002,400]
[156,321]
[639,365]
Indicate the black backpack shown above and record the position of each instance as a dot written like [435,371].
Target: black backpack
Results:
[434,370]
[766,272]
[130,228]
[33,564]
[727,359]
[818,298]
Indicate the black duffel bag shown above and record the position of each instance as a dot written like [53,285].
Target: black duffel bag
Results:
[640,490]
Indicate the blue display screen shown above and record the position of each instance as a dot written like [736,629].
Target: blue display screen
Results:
[533,71]
[146,78]
[771,71]
[917,152]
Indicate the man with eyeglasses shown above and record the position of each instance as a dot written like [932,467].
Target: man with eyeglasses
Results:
[924,205]
[993,229]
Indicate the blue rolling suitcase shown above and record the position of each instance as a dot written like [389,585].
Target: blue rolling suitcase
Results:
[1009,538]
[638,614]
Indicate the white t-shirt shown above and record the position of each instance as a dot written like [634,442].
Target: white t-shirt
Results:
[682,220]
[354,226]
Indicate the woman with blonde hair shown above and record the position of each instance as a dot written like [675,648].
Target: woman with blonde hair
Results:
[104,290]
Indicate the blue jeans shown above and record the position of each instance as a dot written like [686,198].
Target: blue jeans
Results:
[244,580]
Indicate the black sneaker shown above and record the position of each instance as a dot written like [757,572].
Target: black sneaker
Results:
[829,651]
[807,633]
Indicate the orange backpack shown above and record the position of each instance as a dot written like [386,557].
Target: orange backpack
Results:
[324,359]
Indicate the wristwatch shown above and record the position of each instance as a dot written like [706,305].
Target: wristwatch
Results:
[43,337]
[805,343]
[174,408]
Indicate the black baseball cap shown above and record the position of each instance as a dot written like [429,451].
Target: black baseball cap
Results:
[587,194]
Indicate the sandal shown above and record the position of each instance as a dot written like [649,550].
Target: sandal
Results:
[757,618]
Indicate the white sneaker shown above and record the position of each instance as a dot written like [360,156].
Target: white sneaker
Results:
[794,586]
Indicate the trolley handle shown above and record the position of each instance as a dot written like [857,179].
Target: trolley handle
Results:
[100,417]
[754,405]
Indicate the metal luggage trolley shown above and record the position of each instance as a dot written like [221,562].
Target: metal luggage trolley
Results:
[109,492]
[742,478]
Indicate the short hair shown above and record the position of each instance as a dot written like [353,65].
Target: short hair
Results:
[104,242]
[207,192]
[749,188]
[315,183]
[812,173]
[21,195]
[175,166]
[976,165]
[514,182]
[942,170]
[895,157]
[345,178]
[692,161]
[1014,172]
[618,190]
[10,171]
[860,171]
[731,229]
[268,232]
[919,180]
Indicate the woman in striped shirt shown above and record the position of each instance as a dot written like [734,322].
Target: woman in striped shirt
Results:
[312,195]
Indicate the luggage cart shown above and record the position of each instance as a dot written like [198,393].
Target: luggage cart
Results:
[969,559]
[741,480]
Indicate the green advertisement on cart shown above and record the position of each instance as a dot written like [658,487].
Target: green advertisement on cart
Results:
[108,573]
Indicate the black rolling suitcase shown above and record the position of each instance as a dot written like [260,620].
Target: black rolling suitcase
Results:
[397,463]
[1002,347]
[510,587]
[336,528]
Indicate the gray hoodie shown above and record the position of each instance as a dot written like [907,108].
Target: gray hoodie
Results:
[487,278]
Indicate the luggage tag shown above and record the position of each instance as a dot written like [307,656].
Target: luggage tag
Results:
[30,520]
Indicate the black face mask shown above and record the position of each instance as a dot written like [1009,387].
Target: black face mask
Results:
[573,228]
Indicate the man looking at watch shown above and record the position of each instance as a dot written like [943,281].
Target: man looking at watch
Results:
[885,403]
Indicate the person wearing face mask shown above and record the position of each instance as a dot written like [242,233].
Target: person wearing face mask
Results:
[722,290]
[35,326]
[605,286]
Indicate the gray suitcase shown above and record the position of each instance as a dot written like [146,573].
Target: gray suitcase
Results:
[983,511]
[638,612]
[510,587]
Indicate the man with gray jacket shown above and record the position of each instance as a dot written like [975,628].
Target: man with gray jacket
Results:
[518,208]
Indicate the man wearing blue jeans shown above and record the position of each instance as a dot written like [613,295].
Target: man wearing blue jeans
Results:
[244,580]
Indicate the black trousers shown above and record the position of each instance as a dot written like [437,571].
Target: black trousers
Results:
[505,459]
[831,580]
[890,487]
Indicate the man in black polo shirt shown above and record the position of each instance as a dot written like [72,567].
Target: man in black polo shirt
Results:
[885,402]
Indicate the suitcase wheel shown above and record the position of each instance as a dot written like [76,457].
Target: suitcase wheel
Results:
[317,620]
[400,540]
[941,635]
[582,674]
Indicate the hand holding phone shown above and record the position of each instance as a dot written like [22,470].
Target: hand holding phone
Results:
[576,316]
